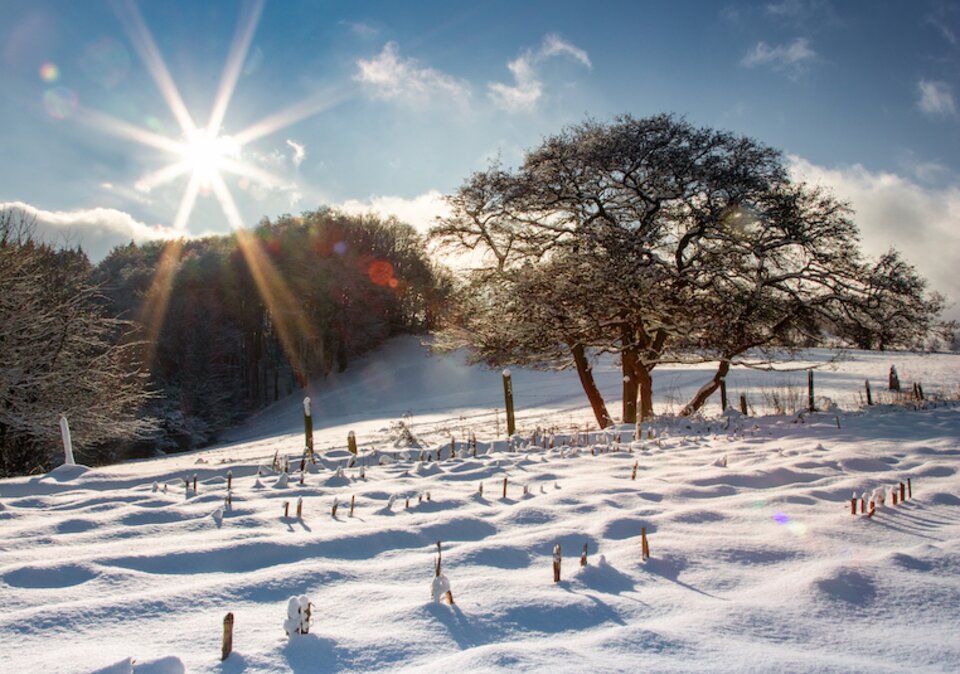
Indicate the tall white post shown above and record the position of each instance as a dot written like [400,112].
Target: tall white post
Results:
[67,442]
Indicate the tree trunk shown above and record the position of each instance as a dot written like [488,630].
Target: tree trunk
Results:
[645,383]
[590,386]
[630,389]
[706,390]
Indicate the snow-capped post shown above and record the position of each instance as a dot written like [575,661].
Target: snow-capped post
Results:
[893,381]
[508,401]
[227,636]
[863,503]
[556,563]
[336,504]
[308,428]
[352,442]
[743,404]
[229,480]
[67,442]
[299,611]
[853,504]
[194,483]
[644,546]
[441,585]
[583,556]
[869,395]
[299,507]
[723,394]
[894,493]
[810,404]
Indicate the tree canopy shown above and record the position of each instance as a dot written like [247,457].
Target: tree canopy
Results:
[662,242]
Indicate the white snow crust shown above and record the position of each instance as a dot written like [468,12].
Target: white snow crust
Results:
[756,562]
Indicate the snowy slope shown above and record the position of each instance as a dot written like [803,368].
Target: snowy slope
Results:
[756,562]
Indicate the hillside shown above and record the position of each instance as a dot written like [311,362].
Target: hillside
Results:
[756,563]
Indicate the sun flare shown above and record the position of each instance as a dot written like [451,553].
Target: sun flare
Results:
[207,154]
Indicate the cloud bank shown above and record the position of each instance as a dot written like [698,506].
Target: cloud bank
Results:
[893,210]
[97,230]
[420,211]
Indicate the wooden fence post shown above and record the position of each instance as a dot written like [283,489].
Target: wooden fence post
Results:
[869,396]
[508,401]
[352,442]
[723,395]
[583,556]
[227,647]
[308,428]
[644,546]
[810,401]
[743,404]
[556,563]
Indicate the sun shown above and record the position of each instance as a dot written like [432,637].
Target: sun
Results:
[204,153]
[207,155]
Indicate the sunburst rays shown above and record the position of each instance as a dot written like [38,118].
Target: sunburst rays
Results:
[204,154]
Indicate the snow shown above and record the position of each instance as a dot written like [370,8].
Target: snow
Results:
[756,562]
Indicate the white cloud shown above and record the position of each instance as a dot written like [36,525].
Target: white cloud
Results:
[936,98]
[390,76]
[554,45]
[792,56]
[528,88]
[892,210]
[421,211]
[360,28]
[97,230]
[299,152]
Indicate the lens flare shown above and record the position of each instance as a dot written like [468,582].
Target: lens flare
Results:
[153,311]
[796,528]
[49,73]
[60,103]
[381,272]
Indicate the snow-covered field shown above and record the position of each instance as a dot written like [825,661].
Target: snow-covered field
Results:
[756,562]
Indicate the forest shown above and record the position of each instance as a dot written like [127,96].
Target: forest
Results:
[160,346]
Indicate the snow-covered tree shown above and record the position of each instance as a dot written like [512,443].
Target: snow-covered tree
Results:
[654,240]
[58,355]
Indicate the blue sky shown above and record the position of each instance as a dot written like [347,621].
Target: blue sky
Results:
[388,105]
